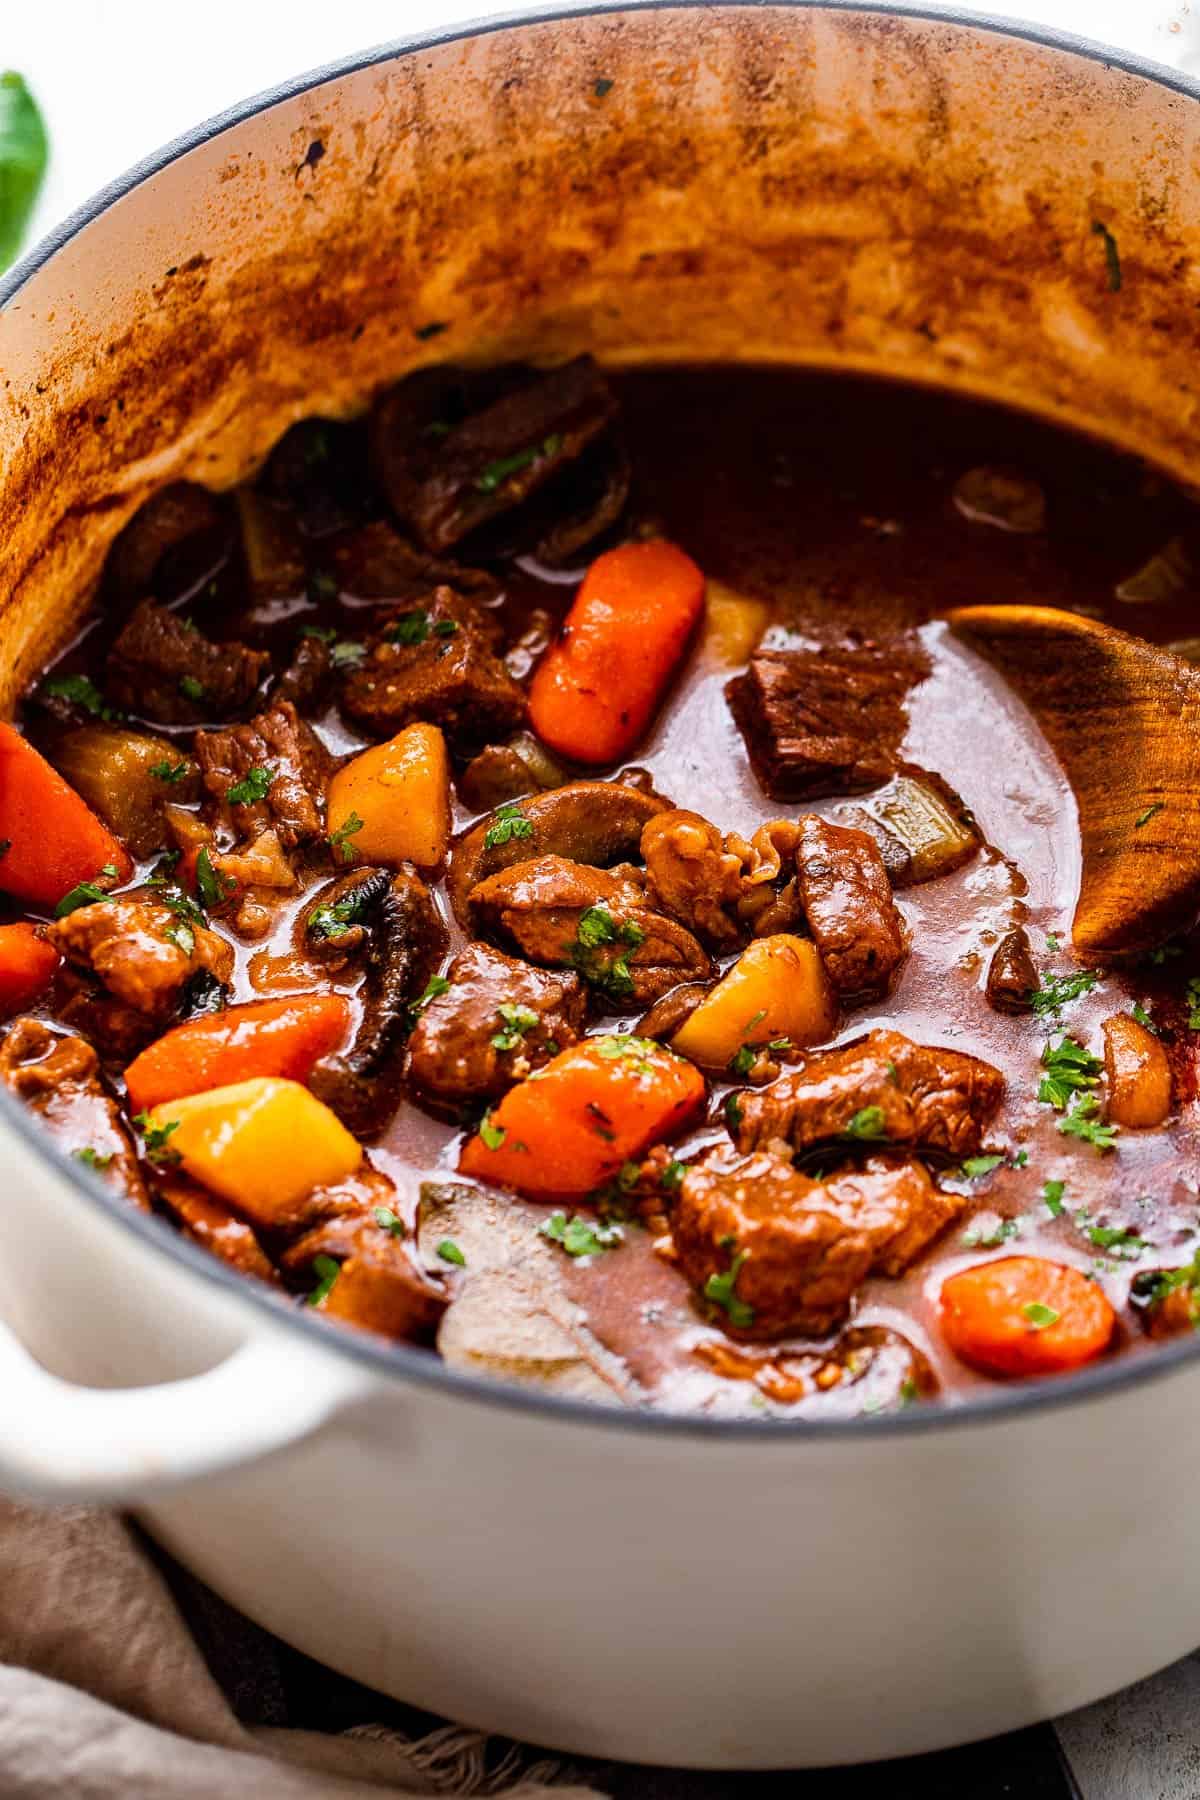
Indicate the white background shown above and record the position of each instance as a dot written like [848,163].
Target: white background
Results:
[118,78]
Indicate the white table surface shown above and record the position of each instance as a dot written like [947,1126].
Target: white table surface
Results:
[118,78]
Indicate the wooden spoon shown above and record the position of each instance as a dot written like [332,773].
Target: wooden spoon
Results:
[1124,720]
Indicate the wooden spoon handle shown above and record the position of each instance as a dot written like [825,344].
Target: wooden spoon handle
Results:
[1124,721]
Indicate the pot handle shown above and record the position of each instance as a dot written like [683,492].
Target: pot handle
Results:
[63,1442]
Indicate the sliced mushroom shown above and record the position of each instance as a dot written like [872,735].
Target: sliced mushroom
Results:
[1012,976]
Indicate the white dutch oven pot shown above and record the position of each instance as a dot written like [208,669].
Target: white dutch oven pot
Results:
[847,187]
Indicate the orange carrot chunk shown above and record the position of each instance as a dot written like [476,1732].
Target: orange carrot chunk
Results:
[597,687]
[26,965]
[265,1037]
[1025,1315]
[51,839]
[567,1130]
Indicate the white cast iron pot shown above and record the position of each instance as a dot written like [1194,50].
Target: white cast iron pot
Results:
[840,186]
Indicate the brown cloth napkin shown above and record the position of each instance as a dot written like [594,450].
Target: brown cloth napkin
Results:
[104,1694]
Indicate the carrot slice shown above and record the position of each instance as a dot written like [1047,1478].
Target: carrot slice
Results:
[597,687]
[1025,1315]
[265,1037]
[52,839]
[567,1130]
[26,964]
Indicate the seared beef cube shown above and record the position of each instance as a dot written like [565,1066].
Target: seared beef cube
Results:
[376,563]
[58,1078]
[785,1253]
[162,668]
[445,478]
[378,1285]
[848,903]
[498,1021]
[883,1088]
[275,744]
[141,950]
[824,721]
[307,679]
[598,921]
[319,468]
[435,663]
[180,521]
[208,1222]
[1012,976]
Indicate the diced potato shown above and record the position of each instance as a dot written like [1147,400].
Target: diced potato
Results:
[112,768]
[263,1144]
[778,988]
[392,804]
[1138,1073]
[733,624]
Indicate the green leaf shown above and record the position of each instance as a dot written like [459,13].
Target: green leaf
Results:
[1143,1017]
[1081,1122]
[449,1252]
[410,628]
[510,823]
[672,1176]
[327,1270]
[1057,990]
[1193,1002]
[214,889]
[975,1166]
[93,1158]
[24,153]
[492,1135]
[1145,817]
[165,771]
[1052,1194]
[81,691]
[579,1236]
[155,1144]
[1121,1240]
[981,1237]
[1070,1069]
[191,689]
[435,986]
[1040,1316]
[1112,256]
[499,471]
[720,1290]
[868,1123]
[388,1220]
[743,1060]
[252,788]
[516,1020]
[84,893]
[339,840]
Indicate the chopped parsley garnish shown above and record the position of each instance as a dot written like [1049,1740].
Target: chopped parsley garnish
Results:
[449,1252]
[326,1269]
[516,1021]
[190,688]
[182,936]
[1164,953]
[433,329]
[334,919]
[1039,1315]
[252,788]
[324,634]
[85,893]
[976,1166]
[437,984]
[868,1122]
[733,1112]
[909,1392]
[1152,1286]
[339,840]
[1057,990]
[1052,941]
[1052,1194]
[1070,1069]
[1123,1242]
[214,888]
[1143,1017]
[601,86]
[580,1237]
[93,1158]
[155,1139]
[321,585]
[410,628]
[988,1237]
[389,1221]
[1144,818]
[347,653]
[445,628]
[491,1135]
[1081,1122]
[672,1176]
[1112,255]
[720,1290]
[1193,1003]
[596,934]
[166,771]
[743,1060]
[82,692]
[498,472]
[510,822]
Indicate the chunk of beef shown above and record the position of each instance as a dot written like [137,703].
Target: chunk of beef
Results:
[868,1369]
[307,680]
[319,469]
[1012,976]
[58,1078]
[566,915]
[498,1021]
[922,827]
[594,822]
[797,1249]
[181,520]
[885,1087]
[824,721]
[848,903]
[140,950]
[407,941]
[164,669]
[446,483]
[434,662]
[379,1286]
[280,742]
[208,1222]
[376,563]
